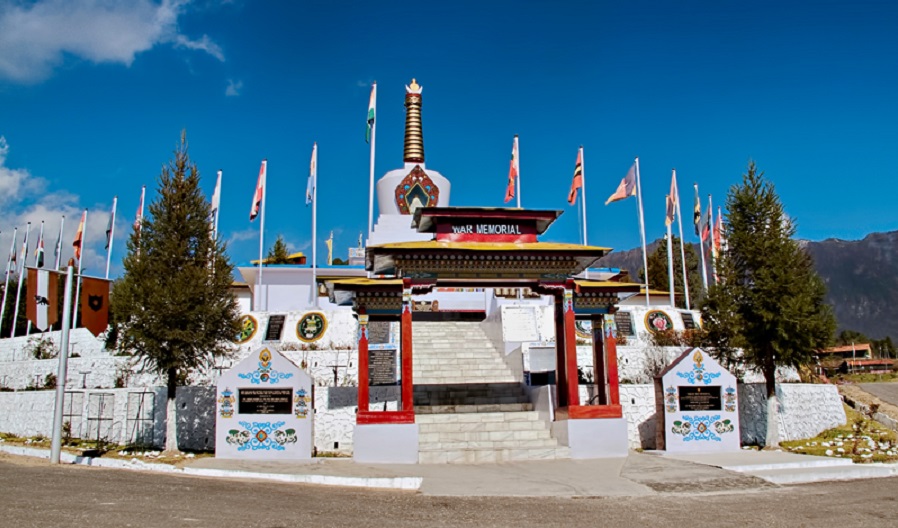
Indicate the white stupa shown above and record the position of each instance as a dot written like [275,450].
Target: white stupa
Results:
[400,192]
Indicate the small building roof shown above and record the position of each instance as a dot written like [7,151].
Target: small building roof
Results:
[293,257]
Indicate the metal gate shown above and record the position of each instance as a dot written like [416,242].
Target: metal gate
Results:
[73,412]
[100,409]
[139,418]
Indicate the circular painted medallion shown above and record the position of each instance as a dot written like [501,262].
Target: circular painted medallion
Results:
[311,327]
[658,321]
[248,327]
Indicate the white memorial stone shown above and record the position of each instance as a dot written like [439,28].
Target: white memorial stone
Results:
[701,411]
[519,324]
[263,409]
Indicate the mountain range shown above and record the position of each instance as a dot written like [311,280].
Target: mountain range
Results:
[861,279]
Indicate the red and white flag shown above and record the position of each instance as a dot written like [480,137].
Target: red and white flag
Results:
[138,218]
[513,171]
[626,188]
[260,192]
[41,298]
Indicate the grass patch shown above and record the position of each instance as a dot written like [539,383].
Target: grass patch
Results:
[861,439]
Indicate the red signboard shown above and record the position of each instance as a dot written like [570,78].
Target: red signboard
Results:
[486,230]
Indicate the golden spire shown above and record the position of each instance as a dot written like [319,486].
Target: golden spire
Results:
[414,136]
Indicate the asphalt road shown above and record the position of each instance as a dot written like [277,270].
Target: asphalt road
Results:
[887,392]
[36,494]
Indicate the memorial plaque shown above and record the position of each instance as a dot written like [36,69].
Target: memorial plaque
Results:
[519,324]
[275,327]
[624,323]
[378,332]
[264,401]
[700,398]
[382,367]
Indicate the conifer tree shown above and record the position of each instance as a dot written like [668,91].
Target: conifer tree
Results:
[770,301]
[278,253]
[173,306]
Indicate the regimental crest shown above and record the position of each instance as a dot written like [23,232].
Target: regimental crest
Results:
[248,327]
[311,327]
[226,400]
[301,403]
[416,190]
[95,302]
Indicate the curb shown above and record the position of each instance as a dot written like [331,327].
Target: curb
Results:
[384,483]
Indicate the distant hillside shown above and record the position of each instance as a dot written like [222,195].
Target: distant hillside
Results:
[861,277]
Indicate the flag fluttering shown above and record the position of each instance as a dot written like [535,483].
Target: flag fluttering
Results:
[57,250]
[372,108]
[41,301]
[705,226]
[12,252]
[697,212]
[626,188]
[577,182]
[330,249]
[216,196]
[313,175]
[260,191]
[138,218]
[79,236]
[39,250]
[717,237]
[673,199]
[110,225]
[95,304]
[513,170]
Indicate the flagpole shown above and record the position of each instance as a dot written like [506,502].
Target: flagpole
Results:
[217,207]
[139,222]
[61,373]
[315,229]
[15,308]
[12,249]
[670,266]
[111,235]
[262,232]
[645,260]
[682,243]
[701,243]
[711,239]
[58,249]
[78,277]
[37,258]
[517,149]
[583,197]
[371,162]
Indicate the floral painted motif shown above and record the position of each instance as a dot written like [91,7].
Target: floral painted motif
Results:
[702,428]
[658,321]
[610,326]
[265,373]
[729,400]
[261,435]
[301,403]
[226,401]
[568,300]
[670,399]
[698,374]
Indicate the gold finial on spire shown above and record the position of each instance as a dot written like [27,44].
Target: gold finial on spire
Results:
[414,135]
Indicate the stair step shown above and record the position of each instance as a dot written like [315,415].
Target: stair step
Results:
[474,409]
[478,456]
[514,443]
[481,417]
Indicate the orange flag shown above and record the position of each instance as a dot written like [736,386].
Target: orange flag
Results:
[578,179]
[79,235]
[95,304]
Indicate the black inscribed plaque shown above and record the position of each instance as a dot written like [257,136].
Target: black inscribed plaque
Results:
[264,401]
[624,322]
[700,398]
[275,327]
[382,367]
[688,321]
[378,332]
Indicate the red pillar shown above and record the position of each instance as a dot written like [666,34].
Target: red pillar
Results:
[611,362]
[570,348]
[560,351]
[405,332]
[364,397]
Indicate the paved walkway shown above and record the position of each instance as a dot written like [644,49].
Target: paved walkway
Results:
[638,474]
[886,391]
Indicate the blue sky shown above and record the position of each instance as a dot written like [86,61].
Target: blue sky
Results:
[94,94]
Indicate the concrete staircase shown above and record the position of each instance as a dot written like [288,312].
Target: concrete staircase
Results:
[469,405]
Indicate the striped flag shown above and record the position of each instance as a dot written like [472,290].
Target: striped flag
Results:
[260,191]
[626,188]
[577,183]
[513,170]
[372,106]
[79,235]
[12,252]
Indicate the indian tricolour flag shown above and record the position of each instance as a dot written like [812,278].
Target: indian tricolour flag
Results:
[372,104]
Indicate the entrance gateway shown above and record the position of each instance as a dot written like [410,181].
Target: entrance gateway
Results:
[489,248]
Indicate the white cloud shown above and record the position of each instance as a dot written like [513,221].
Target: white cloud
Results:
[234,87]
[25,198]
[35,37]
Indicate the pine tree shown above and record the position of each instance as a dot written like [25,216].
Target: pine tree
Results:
[173,306]
[658,271]
[278,253]
[770,301]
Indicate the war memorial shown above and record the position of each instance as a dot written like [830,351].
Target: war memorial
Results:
[466,336]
